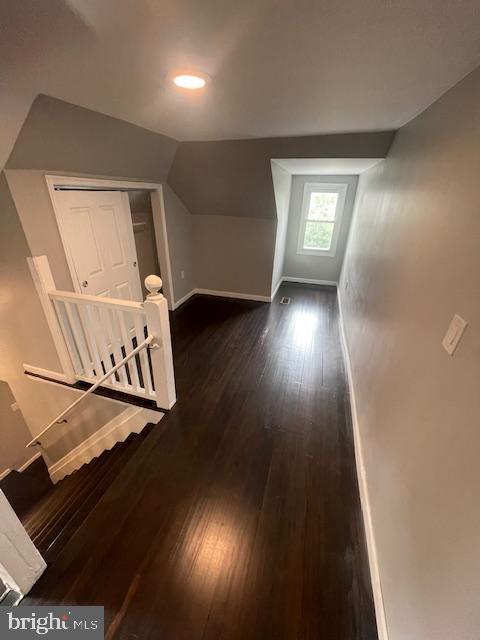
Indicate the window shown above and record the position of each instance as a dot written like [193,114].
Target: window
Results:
[322,210]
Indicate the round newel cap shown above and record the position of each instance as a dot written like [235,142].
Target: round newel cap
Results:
[153,284]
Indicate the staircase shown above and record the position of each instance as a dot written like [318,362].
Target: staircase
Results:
[55,518]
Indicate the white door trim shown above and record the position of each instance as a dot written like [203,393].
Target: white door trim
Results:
[158,209]
[20,563]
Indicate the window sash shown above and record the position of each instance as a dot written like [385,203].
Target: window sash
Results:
[325,218]
[322,187]
[321,224]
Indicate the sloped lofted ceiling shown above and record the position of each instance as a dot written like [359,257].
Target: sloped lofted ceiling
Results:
[278,68]
[60,136]
[234,177]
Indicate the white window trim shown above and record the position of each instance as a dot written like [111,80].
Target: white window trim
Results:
[318,187]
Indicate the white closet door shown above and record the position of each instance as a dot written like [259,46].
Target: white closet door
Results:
[96,228]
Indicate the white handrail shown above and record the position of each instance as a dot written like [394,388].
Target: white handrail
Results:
[102,301]
[56,420]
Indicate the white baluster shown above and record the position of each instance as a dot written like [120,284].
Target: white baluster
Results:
[115,344]
[75,323]
[127,344]
[142,361]
[67,330]
[86,316]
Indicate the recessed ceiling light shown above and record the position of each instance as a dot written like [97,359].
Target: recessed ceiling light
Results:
[190,81]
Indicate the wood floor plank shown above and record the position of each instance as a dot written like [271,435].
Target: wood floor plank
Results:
[238,515]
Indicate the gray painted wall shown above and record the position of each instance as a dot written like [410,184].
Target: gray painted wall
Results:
[316,267]
[15,433]
[180,240]
[234,254]
[19,306]
[228,182]
[32,201]
[234,178]
[282,184]
[413,260]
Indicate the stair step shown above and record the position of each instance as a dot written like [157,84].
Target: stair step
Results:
[75,517]
[61,512]
[61,491]
[90,482]
[24,489]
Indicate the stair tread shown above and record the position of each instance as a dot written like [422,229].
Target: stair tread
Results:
[75,517]
[59,514]
[64,487]
[87,482]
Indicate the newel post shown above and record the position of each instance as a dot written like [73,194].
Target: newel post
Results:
[158,324]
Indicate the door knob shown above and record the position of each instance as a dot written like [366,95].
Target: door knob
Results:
[135,263]
[85,283]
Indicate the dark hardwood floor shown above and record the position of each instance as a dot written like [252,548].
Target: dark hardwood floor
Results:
[238,515]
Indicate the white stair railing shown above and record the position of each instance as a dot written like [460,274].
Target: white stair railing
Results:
[143,345]
[97,338]
[59,419]
[99,332]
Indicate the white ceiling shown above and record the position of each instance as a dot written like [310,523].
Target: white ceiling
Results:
[278,67]
[326,166]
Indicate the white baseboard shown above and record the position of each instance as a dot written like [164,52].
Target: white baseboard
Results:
[29,462]
[5,472]
[182,300]
[131,420]
[250,296]
[363,487]
[329,283]
[233,294]
[222,294]
[46,373]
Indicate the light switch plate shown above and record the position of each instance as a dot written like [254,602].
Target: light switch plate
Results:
[454,333]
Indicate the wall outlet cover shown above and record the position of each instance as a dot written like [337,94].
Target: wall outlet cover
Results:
[454,333]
